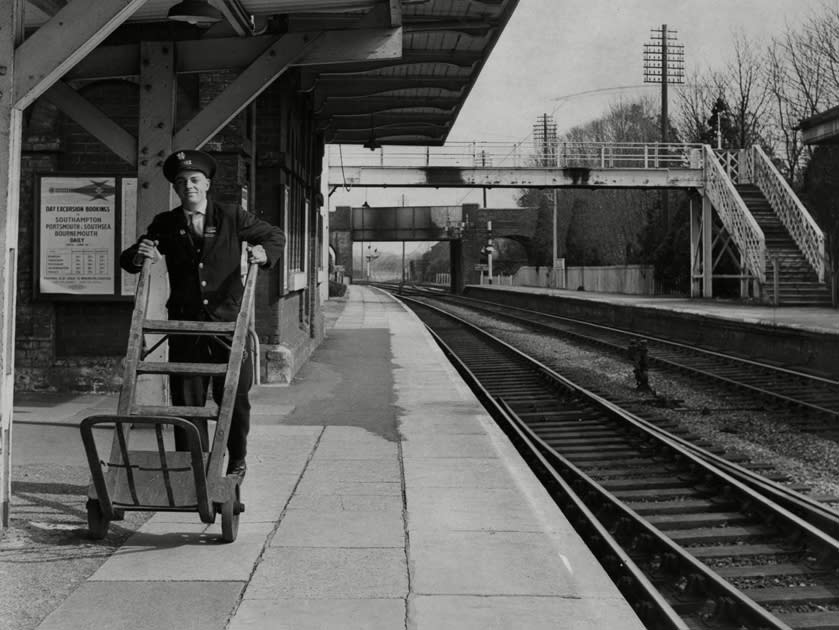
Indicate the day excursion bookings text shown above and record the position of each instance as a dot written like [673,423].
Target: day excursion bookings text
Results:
[77,224]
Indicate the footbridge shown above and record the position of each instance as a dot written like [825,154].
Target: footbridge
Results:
[748,213]
[501,165]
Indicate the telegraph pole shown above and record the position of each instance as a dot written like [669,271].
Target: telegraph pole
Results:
[545,138]
[664,62]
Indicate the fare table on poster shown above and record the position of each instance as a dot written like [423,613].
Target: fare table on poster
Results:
[78,245]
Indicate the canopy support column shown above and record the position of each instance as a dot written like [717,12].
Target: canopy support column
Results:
[158,87]
[11,130]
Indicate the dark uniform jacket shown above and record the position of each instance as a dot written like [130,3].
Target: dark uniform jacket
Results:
[205,279]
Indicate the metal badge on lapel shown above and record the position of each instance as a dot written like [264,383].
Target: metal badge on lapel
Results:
[210,230]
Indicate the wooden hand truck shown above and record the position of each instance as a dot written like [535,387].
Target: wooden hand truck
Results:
[162,480]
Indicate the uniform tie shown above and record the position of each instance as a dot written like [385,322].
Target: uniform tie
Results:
[197,224]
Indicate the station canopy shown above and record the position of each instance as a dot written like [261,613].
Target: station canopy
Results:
[414,62]
[822,128]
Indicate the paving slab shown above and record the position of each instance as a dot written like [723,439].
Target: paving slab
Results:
[266,496]
[504,563]
[347,502]
[319,528]
[188,554]
[470,509]
[440,421]
[279,452]
[339,573]
[513,613]
[449,472]
[453,445]
[320,614]
[147,606]
[354,443]
[323,485]
[272,410]
[342,471]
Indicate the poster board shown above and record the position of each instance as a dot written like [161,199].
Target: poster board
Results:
[82,224]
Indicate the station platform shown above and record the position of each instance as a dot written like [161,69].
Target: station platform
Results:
[819,319]
[380,495]
[797,337]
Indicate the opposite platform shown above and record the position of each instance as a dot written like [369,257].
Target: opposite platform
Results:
[379,495]
[819,319]
[796,337]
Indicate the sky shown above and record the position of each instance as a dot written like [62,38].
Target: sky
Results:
[564,57]
[552,50]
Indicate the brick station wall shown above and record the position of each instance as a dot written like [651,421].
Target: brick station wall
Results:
[79,345]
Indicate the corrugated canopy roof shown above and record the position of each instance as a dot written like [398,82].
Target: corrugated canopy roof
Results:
[412,99]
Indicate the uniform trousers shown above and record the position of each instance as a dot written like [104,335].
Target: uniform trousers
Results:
[192,390]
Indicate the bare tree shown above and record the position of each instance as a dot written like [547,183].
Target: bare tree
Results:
[746,91]
[824,31]
[741,85]
[793,92]
[632,121]
[626,121]
[694,105]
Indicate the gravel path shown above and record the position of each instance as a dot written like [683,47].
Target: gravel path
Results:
[45,554]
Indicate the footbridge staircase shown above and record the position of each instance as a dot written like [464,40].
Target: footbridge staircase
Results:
[749,215]
[781,248]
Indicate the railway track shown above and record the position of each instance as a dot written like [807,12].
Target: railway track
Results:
[689,539]
[814,395]
[758,473]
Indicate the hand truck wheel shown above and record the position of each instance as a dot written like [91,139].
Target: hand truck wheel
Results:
[97,524]
[230,511]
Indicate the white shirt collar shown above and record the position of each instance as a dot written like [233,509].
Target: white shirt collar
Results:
[201,209]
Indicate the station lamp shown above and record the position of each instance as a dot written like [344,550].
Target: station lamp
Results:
[196,12]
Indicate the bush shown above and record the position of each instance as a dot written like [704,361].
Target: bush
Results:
[337,289]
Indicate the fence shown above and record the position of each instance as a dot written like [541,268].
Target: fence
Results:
[627,279]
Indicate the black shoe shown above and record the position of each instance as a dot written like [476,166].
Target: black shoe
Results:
[237,467]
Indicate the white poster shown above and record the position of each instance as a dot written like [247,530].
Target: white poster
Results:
[77,223]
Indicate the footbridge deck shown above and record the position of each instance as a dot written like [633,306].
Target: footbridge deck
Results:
[497,165]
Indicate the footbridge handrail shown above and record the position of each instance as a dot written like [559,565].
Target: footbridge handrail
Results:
[735,216]
[802,227]
[628,155]
[598,155]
